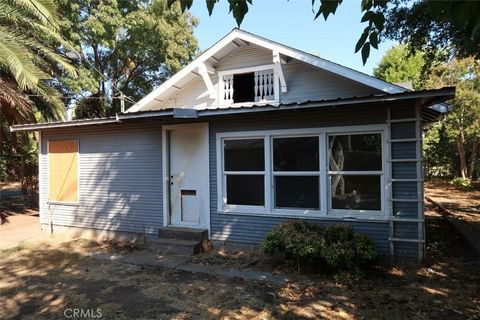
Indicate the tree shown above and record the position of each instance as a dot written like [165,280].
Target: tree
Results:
[435,25]
[127,46]
[452,21]
[462,124]
[32,53]
[399,65]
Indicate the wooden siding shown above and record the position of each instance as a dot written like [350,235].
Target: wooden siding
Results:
[305,82]
[120,181]
[120,177]
[252,229]
[406,194]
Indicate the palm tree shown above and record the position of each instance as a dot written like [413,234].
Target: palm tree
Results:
[31,52]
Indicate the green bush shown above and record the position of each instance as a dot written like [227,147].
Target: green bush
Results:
[296,240]
[335,248]
[464,183]
[347,250]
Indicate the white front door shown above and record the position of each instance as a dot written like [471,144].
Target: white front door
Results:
[188,174]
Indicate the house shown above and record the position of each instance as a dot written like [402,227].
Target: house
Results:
[248,135]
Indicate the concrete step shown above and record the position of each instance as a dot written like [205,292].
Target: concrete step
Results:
[199,235]
[177,246]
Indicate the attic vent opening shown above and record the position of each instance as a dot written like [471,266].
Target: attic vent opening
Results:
[258,86]
[243,87]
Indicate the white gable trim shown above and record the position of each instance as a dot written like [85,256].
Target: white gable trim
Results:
[247,37]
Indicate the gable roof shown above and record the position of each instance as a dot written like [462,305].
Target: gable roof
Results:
[237,37]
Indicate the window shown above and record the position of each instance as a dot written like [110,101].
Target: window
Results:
[244,171]
[355,171]
[296,172]
[315,172]
[63,171]
[249,85]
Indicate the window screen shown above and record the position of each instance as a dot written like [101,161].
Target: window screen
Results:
[63,171]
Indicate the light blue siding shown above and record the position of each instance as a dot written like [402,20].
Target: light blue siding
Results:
[402,190]
[120,179]
[404,150]
[404,170]
[252,229]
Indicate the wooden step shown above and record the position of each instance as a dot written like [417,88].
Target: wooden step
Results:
[182,233]
[176,246]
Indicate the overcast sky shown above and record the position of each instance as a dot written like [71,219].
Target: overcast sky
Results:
[291,23]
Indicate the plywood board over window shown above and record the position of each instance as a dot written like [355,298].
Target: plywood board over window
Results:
[63,171]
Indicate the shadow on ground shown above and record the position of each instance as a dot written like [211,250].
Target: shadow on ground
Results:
[42,281]
[13,202]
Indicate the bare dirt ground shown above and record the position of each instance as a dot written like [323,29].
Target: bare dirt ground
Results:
[13,202]
[43,280]
[464,205]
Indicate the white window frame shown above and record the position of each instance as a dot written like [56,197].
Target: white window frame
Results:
[325,211]
[223,177]
[319,173]
[350,212]
[276,85]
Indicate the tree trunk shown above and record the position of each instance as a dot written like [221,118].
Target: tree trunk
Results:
[473,157]
[461,154]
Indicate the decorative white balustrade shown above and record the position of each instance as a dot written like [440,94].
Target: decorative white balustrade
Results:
[228,88]
[264,88]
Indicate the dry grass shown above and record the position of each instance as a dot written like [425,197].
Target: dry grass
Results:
[464,205]
[41,281]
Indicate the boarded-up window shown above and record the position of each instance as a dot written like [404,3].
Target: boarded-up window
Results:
[63,171]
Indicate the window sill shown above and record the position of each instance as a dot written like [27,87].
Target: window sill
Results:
[312,215]
[61,203]
[227,104]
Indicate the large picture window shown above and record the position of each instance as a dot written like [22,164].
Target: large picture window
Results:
[313,172]
[355,171]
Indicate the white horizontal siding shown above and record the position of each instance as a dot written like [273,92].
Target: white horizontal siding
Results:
[304,81]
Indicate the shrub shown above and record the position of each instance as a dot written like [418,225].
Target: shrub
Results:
[347,250]
[296,240]
[337,248]
[464,183]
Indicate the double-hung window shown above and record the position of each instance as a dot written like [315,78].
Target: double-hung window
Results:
[244,172]
[355,171]
[296,172]
[316,172]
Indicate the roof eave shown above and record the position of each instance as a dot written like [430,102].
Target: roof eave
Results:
[427,98]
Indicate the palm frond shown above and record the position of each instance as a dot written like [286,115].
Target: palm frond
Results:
[14,106]
[14,57]
[31,47]
[48,101]
[43,10]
